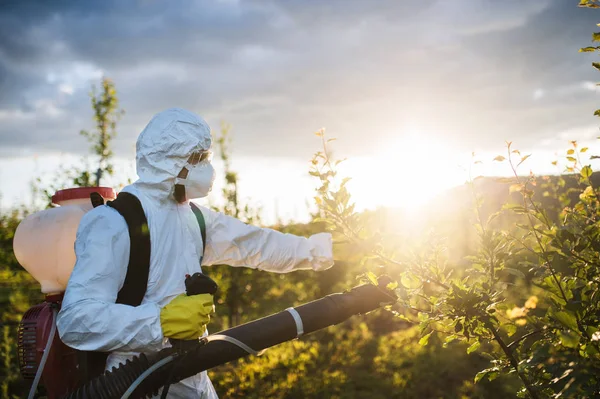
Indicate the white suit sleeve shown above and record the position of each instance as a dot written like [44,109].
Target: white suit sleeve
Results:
[231,242]
[89,318]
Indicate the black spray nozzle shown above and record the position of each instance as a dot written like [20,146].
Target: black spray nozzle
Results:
[195,284]
[199,283]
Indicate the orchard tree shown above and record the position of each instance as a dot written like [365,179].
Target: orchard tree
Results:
[237,285]
[106,115]
[529,297]
[105,104]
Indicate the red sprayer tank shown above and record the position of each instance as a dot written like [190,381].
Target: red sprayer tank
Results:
[43,245]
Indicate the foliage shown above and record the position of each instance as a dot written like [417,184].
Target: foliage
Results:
[595,38]
[356,360]
[107,113]
[589,3]
[18,290]
[529,292]
[240,289]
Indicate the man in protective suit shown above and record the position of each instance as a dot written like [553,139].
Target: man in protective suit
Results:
[173,165]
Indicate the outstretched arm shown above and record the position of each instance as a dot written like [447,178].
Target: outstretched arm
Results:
[234,243]
[90,319]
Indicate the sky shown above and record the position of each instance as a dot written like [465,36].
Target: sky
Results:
[409,88]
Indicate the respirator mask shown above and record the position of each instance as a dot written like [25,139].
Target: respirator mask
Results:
[200,175]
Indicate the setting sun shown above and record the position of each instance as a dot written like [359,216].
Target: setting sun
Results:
[408,171]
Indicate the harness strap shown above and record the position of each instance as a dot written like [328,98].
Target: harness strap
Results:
[202,224]
[138,269]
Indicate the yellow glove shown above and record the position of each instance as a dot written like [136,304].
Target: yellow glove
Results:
[186,317]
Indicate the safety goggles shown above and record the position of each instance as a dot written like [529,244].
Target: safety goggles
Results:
[200,156]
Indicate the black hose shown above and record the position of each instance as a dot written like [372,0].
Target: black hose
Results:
[112,384]
[259,334]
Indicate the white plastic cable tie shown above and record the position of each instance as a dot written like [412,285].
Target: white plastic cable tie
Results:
[236,342]
[298,321]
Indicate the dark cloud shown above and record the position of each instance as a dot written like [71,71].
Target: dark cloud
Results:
[476,73]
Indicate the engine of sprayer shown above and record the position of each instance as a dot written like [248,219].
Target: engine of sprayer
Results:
[43,245]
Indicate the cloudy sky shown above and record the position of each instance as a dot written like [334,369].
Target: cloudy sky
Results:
[379,75]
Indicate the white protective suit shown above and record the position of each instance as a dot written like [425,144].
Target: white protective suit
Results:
[90,320]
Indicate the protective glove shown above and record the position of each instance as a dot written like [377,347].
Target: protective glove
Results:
[186,317]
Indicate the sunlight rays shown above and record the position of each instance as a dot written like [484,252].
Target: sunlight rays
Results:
[408,171]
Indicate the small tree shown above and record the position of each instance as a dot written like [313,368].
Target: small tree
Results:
[106,115]
[235,282]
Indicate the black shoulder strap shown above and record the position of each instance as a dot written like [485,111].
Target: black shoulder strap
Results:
[92,364]
[136,280]
[202,224]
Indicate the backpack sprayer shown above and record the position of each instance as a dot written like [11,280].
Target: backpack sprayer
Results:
[43,245]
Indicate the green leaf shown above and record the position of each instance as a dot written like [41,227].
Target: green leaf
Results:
[372,278]
[596,37]
[410,281]
[523,159]
[515,208]
[586,171]
[473,347]
[490,373]
[510,329]
[451,338]
[480,375]
[403,317]
[587,3]
[401,292]
[587,49]
[425,339]
[596,65]
[569,339]
[567,319]
[591,350]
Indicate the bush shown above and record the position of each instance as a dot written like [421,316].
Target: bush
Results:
[352,361]
[527,294]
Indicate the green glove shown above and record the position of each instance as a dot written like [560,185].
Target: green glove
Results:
[186,317]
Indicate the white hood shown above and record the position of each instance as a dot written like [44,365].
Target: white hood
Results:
[164,147]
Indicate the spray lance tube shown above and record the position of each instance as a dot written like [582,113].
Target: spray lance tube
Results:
[235,343]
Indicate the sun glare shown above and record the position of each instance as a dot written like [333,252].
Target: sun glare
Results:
[407,172]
